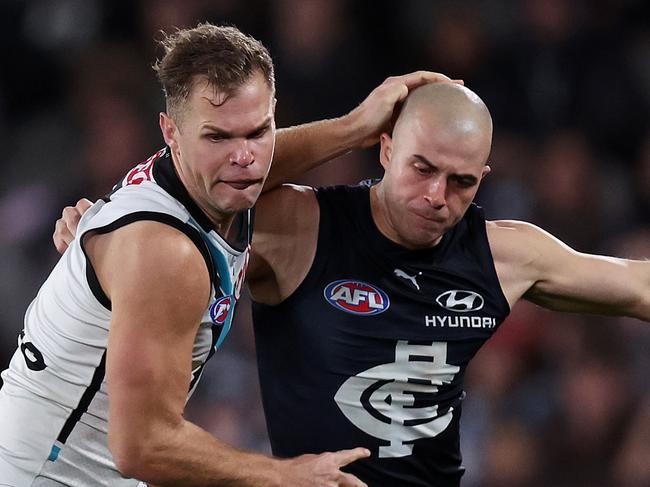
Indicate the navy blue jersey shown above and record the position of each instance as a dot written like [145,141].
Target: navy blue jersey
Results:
[371,348]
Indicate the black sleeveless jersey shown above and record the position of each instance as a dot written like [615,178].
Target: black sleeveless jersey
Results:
[371,348]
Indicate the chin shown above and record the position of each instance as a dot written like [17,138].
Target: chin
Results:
[236,206]
[422,239]
[422,243]
[234,203]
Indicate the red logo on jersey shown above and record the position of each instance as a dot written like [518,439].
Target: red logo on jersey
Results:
[219,310]
[356,297]
[142,172]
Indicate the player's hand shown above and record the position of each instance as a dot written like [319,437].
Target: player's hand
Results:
[323,470]
[66,226]
[375,114]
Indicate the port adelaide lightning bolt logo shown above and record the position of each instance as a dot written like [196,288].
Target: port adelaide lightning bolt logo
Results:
[220,309]
[381,400]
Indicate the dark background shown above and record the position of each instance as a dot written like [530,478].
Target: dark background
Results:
[553,400]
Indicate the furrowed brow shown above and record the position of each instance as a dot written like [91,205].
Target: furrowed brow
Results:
[217,130]
[221,132]
[261,127]
[469,178]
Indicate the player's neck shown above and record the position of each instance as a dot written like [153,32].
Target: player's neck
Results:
[222,222]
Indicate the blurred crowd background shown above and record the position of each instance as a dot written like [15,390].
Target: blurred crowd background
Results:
[553,400]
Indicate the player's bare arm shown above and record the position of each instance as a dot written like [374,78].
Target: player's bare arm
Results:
[304,147]
[159,287]
[286,234]
[533,264]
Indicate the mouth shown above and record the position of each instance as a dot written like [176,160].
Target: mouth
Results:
[430,218]
[241,184]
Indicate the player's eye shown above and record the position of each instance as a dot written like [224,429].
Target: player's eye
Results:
[216,137]
[423,169]
[258,133]
[465,182]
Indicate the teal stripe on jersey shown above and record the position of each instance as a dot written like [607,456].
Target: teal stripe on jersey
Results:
[54,453]
[226,285]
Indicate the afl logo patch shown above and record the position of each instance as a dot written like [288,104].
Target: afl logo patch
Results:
[356,297]
[219,310]
[460,301]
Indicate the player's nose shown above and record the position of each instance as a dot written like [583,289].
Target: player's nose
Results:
[436,193]
[241,154]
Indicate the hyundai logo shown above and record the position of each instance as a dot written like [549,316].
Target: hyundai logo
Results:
[460,301]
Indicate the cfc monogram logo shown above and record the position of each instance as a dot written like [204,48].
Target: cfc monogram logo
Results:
[381,401]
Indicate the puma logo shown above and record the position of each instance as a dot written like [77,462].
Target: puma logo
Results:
[404,275]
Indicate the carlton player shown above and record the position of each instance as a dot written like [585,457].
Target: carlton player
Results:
[371,300]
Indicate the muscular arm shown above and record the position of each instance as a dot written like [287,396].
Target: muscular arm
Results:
[533,264]
[159,287]
[301,148]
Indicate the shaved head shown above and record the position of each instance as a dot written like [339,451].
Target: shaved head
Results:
[433,164]
[450,109]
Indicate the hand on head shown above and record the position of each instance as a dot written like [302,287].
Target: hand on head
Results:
[375,114]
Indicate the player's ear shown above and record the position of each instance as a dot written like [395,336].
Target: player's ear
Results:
[169,131]
[486,170]
[386,149]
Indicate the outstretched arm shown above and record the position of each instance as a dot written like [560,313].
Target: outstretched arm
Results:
[303,147]
[537,266]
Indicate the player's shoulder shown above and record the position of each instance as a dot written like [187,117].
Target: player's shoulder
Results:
[518,231]
[284,240]
[147,195]
[515,241]
[287,192]
[519,228]
[149,258]
[286,203]
[146,245]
